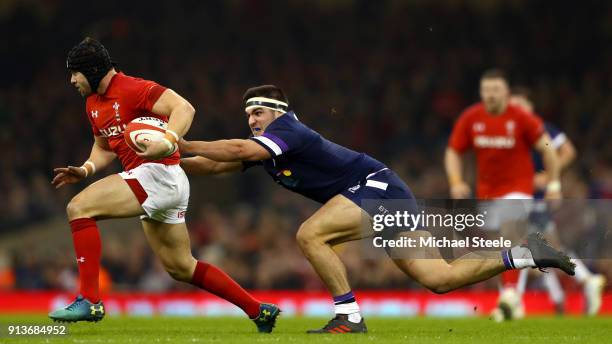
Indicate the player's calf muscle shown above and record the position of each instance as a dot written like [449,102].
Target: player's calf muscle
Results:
[437,285]
[432,274]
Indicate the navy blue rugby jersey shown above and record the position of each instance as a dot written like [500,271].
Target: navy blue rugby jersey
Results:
[557,138]
[305,162]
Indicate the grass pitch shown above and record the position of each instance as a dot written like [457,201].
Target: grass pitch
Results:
[291,330]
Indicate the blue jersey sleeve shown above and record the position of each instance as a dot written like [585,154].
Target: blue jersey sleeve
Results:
[557,137]
[283,136]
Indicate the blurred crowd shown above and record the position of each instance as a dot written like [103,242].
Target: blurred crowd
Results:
[384,77]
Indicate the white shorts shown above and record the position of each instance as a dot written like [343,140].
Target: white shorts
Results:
[162,190]
[512,207]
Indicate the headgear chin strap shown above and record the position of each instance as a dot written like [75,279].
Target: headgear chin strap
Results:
[92,59]
[267,103]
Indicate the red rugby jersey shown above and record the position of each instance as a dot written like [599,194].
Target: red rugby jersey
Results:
[502,145]
[125,99]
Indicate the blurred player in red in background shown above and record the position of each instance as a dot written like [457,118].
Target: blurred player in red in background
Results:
[541,219]
[154,186]
[502,137]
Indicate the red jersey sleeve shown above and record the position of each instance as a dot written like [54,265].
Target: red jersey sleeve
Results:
[460,139]
[146,93]
[533,127]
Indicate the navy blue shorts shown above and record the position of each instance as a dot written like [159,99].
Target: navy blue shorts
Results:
[382,192]
[540,217]
[383,186]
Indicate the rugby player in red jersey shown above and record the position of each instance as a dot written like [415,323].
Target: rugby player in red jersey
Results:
[502,136]
[153,185]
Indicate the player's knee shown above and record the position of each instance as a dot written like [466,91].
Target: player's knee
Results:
[301,237]
[180,271]
[76,208]
[306,236]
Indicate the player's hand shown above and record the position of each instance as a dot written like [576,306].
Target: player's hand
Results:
[554,200]
[185,146]
[460,190]
[540,181]
[155,150]
[553,195]
[67,175]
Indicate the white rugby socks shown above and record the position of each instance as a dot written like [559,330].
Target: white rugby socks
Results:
[518,257]
[346,304]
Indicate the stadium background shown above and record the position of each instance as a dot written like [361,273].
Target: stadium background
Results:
[384,77]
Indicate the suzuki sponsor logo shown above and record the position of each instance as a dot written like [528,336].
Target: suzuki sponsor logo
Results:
[113,131]
[502,142]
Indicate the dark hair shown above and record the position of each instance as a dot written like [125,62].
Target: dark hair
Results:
[494,73]
[92,59]
[268,91]
[522,91]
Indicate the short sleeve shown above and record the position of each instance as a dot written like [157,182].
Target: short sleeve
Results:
[281,138]
[460,139]
[146,93]
[533,128]
[557,137]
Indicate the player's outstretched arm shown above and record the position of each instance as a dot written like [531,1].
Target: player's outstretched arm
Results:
[551,166]
[201,166]
[180,113]
[567,154]
[452,162]
[234,150]
[101,155]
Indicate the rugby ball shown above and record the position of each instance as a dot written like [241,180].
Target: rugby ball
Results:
[145,129]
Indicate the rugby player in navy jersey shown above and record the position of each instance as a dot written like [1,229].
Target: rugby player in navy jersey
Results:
[541,218]
[301,160]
